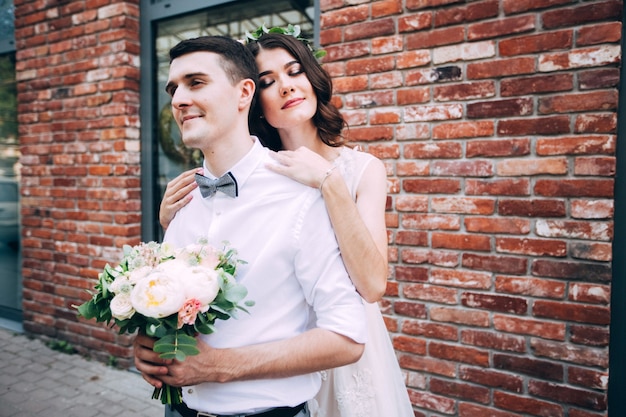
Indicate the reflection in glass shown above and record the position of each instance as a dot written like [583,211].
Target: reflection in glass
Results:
[9,147]
[232,19]
[7,22]
[10,278]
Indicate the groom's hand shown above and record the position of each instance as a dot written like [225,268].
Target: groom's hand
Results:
[148,362]
[196,369]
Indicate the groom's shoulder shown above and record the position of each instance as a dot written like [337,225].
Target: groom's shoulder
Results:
[280,181]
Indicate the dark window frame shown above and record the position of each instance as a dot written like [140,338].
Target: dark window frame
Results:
[7,46]
[617,330]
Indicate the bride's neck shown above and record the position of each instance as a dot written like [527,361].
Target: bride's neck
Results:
[307,136]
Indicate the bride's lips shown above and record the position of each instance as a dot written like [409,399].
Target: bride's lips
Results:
[292,102]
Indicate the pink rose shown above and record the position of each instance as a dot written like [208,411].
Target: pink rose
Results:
[189,312]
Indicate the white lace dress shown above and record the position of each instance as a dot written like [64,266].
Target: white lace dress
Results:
[373,386]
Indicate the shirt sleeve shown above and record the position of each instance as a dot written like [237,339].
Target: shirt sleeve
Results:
[323,277]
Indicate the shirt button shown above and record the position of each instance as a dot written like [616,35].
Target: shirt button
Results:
[190,391]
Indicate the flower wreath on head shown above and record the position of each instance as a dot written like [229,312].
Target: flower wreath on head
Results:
[291,30]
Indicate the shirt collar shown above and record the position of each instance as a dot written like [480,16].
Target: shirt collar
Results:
[244,167]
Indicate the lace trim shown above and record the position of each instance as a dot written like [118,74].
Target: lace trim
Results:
[358,397]
[351,164]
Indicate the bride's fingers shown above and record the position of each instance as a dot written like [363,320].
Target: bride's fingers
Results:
[280,169]
[184,191]
[180,186]
[279,157]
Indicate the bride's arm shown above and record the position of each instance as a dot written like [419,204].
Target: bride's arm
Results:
[359,226]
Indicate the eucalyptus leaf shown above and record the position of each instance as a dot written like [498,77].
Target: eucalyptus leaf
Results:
[290,30]
[176,346]
[204,328]
[236,293]
[151,329]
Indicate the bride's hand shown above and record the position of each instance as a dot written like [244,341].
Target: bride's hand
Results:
[302,165]
[177,195]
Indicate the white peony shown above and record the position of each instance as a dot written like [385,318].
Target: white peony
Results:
[121,307]
[175,267]
[159,293]
[201,284]
[138,274]
[167,250]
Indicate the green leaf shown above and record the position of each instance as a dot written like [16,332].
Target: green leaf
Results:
[87,310]
[204,328]
[127,249]
[242,309]
[151,329]
[235,293]
[176,346]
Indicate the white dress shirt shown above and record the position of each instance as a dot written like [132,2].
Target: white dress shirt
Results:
[294,274]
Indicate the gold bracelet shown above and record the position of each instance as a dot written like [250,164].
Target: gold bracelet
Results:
[326,175]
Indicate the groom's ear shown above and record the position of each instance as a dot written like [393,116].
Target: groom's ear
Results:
[247,88]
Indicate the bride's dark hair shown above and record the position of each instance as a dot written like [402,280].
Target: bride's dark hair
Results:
[327,118]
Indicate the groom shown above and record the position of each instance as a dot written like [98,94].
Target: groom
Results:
[308,316]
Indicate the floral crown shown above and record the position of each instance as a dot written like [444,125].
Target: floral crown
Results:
[291,30]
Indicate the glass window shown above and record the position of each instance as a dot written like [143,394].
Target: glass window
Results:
[7,25]
[234,19]
[9,146]
[10,284]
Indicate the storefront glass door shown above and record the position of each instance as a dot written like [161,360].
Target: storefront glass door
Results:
[10,254]
[164,154]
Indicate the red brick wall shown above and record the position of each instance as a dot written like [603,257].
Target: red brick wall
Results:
[496,120]
[78,95]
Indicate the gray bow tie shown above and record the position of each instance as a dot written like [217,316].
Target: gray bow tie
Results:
[226,184]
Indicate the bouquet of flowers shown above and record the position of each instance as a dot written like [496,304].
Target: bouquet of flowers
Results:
[171,295]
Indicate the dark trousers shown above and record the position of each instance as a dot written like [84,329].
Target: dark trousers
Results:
[174,413]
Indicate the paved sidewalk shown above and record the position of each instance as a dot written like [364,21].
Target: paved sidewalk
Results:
[36,381]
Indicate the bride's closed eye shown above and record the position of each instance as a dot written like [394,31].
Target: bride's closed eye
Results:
[265,83]
[294,69]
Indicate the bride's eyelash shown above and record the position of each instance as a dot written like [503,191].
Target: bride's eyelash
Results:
[292,73]
[264,84]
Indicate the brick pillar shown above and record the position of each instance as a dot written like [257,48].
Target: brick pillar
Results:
[496,120]
[78,97]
